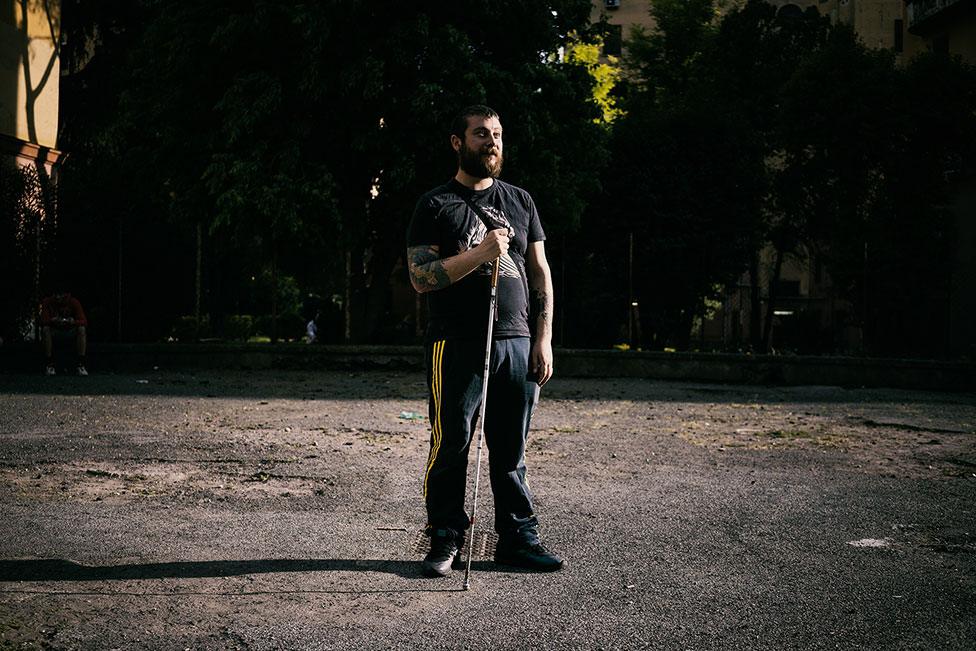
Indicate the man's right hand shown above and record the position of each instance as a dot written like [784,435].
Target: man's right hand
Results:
[494,245]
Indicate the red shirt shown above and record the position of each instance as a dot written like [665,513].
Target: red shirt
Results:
[62,307]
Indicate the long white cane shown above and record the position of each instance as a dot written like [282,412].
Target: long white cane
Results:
[481,421]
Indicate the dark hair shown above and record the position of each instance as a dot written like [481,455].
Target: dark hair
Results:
[460,124]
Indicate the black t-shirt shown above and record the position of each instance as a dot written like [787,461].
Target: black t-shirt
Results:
[443,218]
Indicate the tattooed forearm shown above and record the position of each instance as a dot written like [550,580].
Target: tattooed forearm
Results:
[542,310]
[427,271]
[540,290]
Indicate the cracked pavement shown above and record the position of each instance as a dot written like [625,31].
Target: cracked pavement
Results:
[281,510]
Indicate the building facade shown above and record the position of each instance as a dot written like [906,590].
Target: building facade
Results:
[30,72]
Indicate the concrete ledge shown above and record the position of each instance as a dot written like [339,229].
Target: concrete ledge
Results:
[707,367]
[771,369]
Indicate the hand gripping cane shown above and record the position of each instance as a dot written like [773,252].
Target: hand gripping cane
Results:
[481,421]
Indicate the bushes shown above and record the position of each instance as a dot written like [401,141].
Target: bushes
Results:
[238,327]
[186,329]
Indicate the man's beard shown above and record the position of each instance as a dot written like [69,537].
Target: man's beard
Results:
[479,164]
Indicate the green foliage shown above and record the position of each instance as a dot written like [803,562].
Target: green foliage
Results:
[274,124]
[754,130]
[300,140]
[291,326]
[262,286]
[238,327]
[187,329]
[684,183]
[665,59]
[869,153]
[27,230]
[15,299]
[605,75]
[684,178]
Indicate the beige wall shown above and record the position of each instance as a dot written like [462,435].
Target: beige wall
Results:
[29,70]
[631,12]
[873,20]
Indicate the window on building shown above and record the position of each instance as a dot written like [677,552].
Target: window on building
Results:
[613,40]
[899,35]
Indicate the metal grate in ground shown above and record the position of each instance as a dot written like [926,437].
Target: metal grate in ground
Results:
[484,545]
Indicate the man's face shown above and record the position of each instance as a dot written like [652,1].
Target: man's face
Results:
[480,155]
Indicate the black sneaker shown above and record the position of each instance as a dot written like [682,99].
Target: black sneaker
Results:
[532,556]
[444,547]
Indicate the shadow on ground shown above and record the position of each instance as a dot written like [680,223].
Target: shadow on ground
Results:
[56,569]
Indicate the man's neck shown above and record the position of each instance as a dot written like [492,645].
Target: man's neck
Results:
[473,182]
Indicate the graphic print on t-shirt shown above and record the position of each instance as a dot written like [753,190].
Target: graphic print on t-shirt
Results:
[475,235]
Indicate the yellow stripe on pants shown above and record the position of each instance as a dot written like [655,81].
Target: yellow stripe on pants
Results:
[435,389]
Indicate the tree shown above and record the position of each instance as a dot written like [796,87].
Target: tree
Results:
[875,203]
[293,140]
[756,52]
[26,235]
[684,182]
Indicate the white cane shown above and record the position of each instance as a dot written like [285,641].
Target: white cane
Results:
[481,421]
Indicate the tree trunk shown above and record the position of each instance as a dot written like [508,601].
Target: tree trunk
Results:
[347,302]
[771,303]
[630,290]
[378,294]
[682,337]
[560,299]
[274,289]
[118,322]
[43,222]
[755,304]
[197,284]
[701,330]
[864,301]
[36,298]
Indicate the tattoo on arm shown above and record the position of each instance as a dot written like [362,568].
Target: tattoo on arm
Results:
[542,308]
[427,271]
[540,291]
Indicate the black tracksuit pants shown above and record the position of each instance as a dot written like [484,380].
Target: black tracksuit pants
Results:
[454,378]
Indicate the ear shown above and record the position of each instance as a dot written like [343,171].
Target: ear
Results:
[455,142]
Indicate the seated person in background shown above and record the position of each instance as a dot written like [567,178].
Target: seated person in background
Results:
[62,318]
[312,329]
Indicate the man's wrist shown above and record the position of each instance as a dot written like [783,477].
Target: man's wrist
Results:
[483,258]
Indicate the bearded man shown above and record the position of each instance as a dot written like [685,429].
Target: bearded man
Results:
[457,232]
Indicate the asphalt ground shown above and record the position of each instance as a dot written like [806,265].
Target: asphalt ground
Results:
[282,510]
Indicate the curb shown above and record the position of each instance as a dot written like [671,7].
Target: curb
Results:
[707,367]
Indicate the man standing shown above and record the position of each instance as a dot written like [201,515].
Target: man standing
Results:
[457,232]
